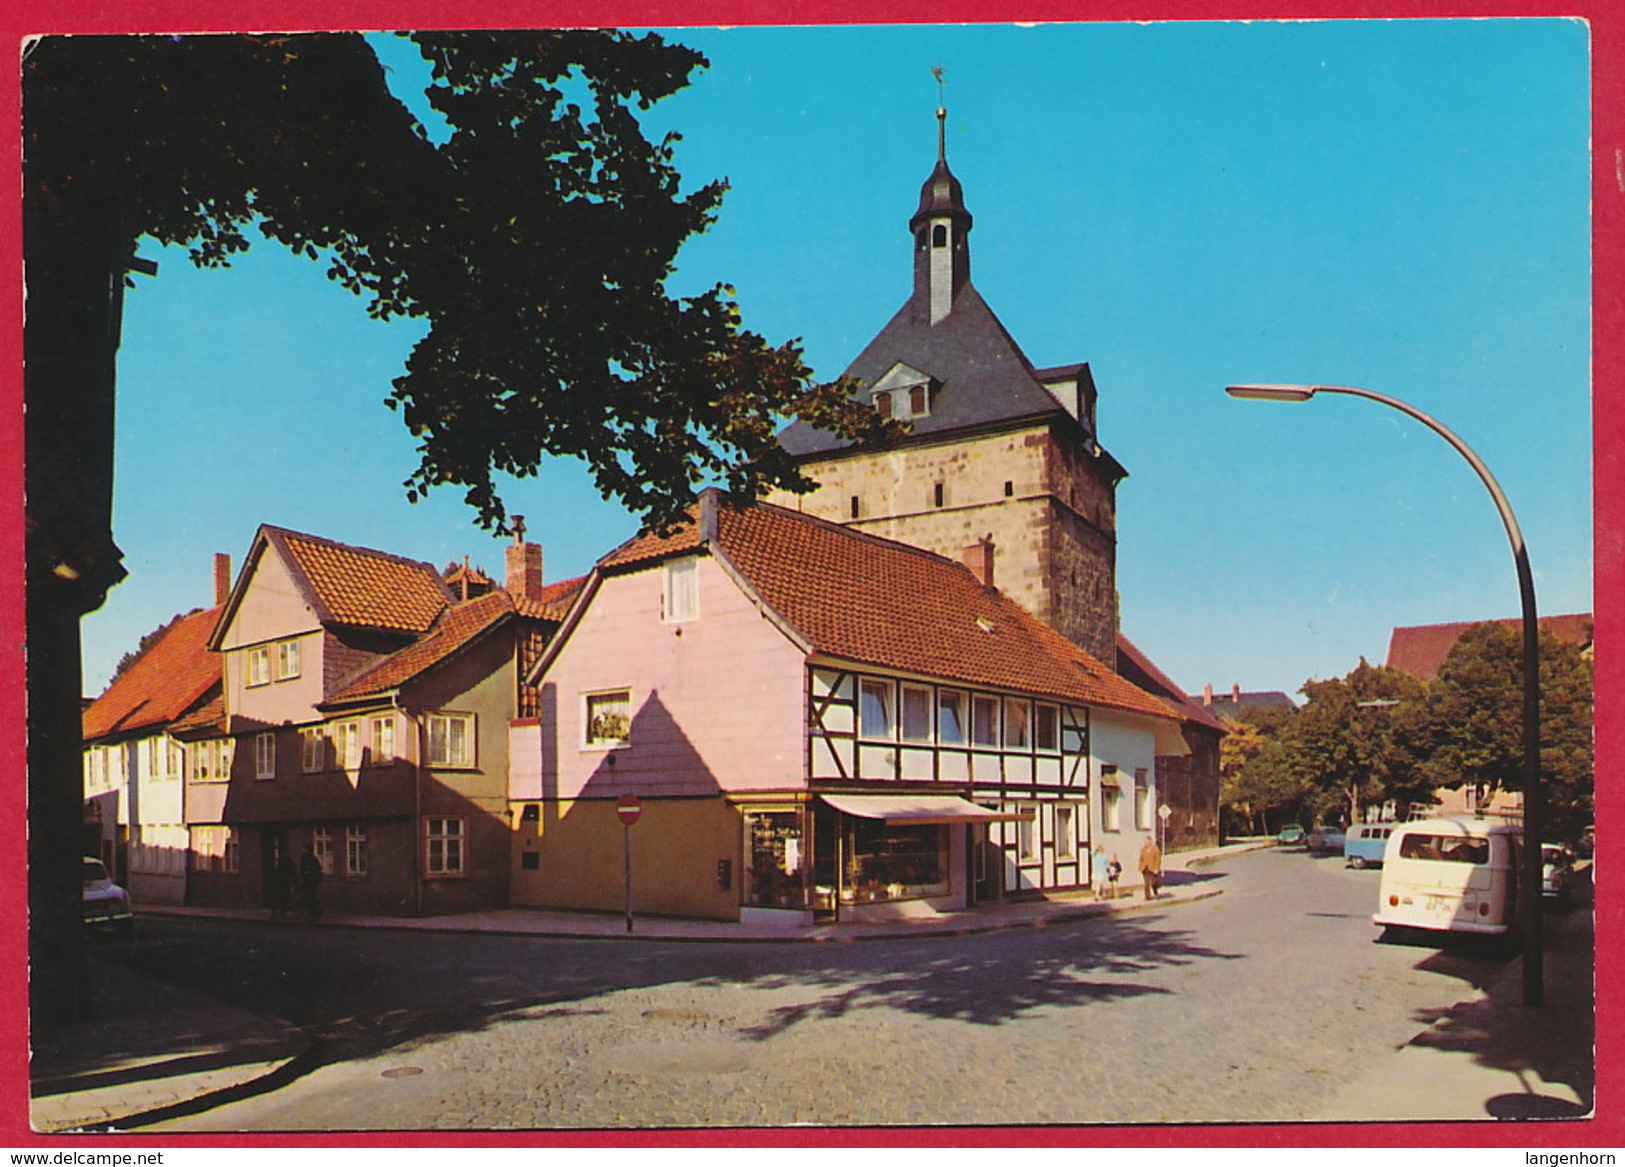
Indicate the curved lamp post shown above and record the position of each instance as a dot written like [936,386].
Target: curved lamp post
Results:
[1533,817]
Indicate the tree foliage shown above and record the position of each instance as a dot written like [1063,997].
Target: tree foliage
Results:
[536,240]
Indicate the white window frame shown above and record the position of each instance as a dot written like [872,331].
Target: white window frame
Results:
[1066,828]
[313,749]
[1027,835]
[1111,807]
[347,745]
[287,660]
[321,845]
[985,700]
[355,850]
[264,756]
[680,590]
[591,703]
[451,855]
[257,669]
[468,758]
[381,734]
[1018,716]
[886,691]
[955,698]
[922,694]
[1142,801]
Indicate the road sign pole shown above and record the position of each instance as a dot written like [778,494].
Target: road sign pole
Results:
[627,831]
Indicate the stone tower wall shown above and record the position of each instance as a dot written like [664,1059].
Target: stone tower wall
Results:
[1049,510]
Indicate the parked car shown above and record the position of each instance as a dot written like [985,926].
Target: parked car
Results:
[1325,839]
[1364,845]
[1556,870]
[1290,834]
[107,905]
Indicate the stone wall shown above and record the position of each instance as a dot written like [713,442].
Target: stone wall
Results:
[1048,507]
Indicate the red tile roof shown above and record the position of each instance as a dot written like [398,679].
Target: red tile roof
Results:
[1420,649]
[363,588]
[553,602]
[872,601]
[460,624]
[165,682]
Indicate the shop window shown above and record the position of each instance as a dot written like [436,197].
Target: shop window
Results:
[774,860]
[950,718]
[875,710]
[892,861]
[916,714]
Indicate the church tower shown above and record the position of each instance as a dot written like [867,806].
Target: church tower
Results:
[1001,466]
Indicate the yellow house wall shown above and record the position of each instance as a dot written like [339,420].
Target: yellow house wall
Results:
[676,846]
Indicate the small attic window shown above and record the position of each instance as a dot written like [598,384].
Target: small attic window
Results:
[883,404]
[919,401]
[984,624]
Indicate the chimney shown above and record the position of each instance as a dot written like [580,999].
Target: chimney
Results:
[1207,693]
[524,564]
[1235,693]
[979,558]
[222,578]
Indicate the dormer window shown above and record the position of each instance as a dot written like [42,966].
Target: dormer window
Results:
[883,404]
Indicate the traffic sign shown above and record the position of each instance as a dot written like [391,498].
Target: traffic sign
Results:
[1164,812]
[628,808]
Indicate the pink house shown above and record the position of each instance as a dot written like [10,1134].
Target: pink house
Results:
[819,723]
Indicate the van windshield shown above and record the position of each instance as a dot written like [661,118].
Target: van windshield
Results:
[1445,848]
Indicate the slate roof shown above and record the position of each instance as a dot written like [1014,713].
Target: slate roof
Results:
[165,682]
[1137,667]
[982,376]
[859,598]
[362,588]
[1420,649]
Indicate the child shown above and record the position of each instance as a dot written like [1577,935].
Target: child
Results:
[1113,870]
[1098,872]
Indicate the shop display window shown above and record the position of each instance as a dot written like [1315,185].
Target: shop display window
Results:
[892,861]
[775,856]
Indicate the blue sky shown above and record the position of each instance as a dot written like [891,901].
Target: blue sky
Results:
[1397,205]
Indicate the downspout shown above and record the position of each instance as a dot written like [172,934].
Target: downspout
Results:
[416,828]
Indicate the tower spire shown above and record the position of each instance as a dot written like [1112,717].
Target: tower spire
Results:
[940,226]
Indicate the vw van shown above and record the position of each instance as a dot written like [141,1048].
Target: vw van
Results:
[1452,874]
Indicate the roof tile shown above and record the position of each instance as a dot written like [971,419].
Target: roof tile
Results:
[163,683]
[365,588]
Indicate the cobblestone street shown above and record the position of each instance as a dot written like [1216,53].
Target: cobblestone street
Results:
[1256,1005]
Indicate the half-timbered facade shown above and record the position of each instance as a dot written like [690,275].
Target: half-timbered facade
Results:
[818,721]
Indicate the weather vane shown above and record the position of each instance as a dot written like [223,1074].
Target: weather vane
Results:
[937,71]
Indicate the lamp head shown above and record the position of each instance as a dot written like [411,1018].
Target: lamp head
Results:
[1272,392]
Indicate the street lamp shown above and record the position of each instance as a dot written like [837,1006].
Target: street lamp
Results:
[1533,964]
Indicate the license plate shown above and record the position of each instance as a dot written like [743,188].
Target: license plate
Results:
[1438,904]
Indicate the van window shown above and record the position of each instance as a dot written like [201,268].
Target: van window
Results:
[1446,848]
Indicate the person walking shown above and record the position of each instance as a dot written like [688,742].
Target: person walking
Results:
[1151,868]
[1098,872]
[310,884]
[283,876]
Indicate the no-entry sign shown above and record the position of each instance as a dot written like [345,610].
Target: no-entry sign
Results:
[628,808]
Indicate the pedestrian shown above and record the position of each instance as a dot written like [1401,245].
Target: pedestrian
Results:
[1113,870]
[1097,871]
[1151,868]
[283,875]
[310,883]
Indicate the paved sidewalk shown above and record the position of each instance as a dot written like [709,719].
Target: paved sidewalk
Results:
[152,1046]
[1492,1057]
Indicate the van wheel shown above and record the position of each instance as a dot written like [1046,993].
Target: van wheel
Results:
[1357,862]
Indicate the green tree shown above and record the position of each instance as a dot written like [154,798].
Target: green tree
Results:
[535,241]
[1471,729]
[1340,751]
